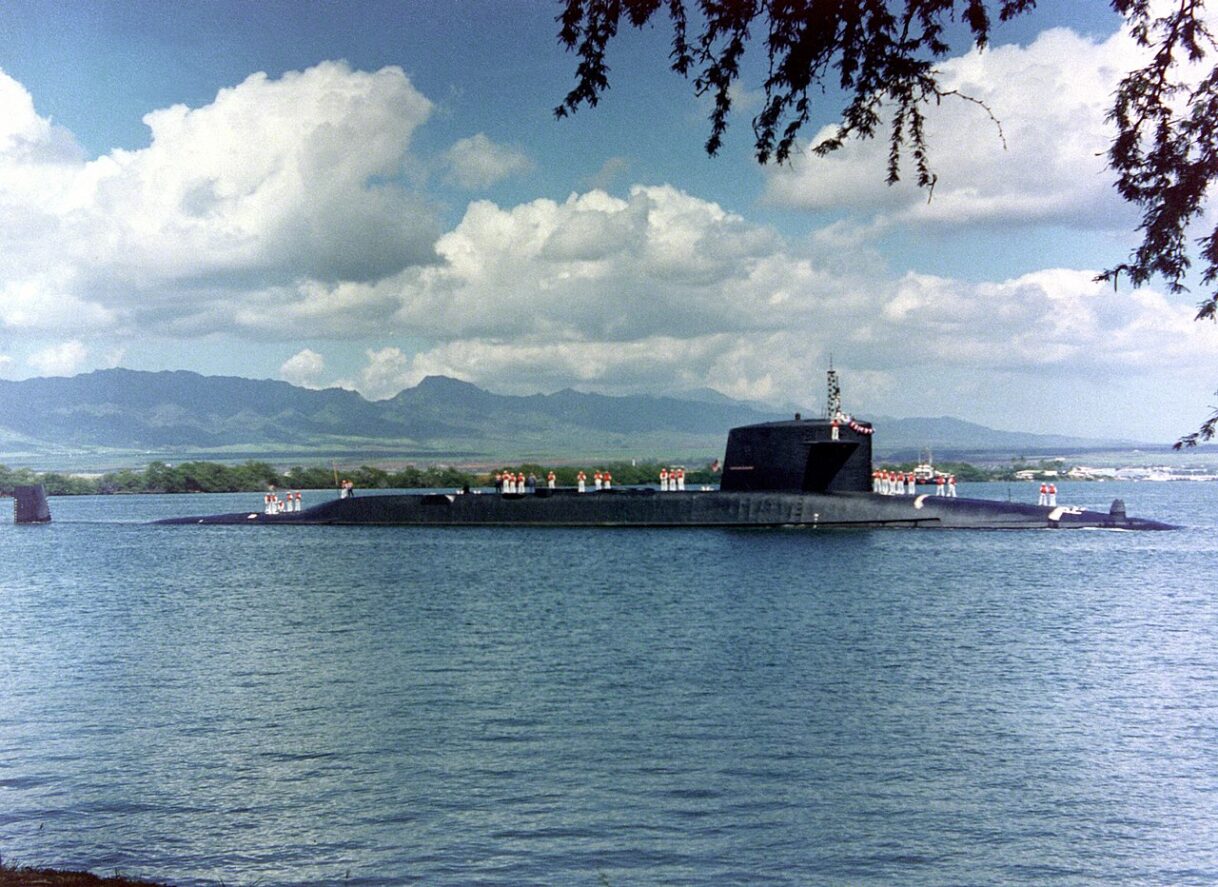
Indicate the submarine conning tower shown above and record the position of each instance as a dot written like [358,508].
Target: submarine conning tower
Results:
[799,455]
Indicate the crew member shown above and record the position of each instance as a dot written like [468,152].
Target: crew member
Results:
[833,430]
[681,479]
[1044,495]
[951,485]
[1053,495]
[598,479]
[663,480]
[911,483]
[939,484]
[582,480]
[551,480]
[608,480]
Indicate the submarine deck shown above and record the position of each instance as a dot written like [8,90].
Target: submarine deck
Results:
[652,508]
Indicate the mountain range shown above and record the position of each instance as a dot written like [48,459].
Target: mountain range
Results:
[121,411]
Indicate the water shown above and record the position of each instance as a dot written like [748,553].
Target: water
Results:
[304,705]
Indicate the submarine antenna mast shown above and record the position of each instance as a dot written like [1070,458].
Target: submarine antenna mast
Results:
[834,407]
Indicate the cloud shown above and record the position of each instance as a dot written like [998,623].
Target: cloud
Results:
[613,170]
[260,185]
[388,371]
[44,301]
[661,290]
[592,267]
[476,163]
[264,180]
[250,217]
[1050,99]
[303,368]
[59,360]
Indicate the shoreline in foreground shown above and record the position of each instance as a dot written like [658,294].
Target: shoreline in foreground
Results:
[26,876]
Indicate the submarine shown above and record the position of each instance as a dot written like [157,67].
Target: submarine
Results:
[794,473]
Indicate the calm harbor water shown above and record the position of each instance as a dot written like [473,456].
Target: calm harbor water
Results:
[305,705]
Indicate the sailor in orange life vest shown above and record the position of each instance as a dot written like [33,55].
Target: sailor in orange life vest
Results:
[663,480]
[951,486]
[1053,495]
[911,484]
[939,483]
[834,432]
[551,479]
[608,480]
[1044,495]
[598,480]
[582,480]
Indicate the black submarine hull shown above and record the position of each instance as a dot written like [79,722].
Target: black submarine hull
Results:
[650,508]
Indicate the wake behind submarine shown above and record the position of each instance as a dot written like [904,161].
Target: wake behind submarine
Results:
[795,473]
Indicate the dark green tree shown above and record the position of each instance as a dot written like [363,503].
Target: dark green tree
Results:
[881,54]
[1165,154]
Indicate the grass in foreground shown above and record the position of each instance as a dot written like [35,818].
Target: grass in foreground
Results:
[20,876]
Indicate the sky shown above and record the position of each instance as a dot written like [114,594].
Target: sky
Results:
[365,193]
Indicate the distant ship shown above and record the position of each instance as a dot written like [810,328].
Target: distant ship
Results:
[795,473]
[924,472]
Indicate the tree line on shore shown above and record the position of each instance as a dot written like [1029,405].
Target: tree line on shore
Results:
[216,477]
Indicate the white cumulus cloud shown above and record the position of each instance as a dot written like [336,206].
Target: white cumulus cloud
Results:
[477,162]
[275,181]
[304,368]
[64,359]
[1048,164]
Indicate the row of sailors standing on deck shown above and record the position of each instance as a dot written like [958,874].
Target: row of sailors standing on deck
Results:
[892,483]
[272,504]
[1048,495]
[602,479]
[507,482]
[899,483]
[672,480]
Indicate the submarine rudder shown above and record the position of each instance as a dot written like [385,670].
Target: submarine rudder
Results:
[30,505]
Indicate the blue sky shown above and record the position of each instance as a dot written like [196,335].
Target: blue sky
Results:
[365,193]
